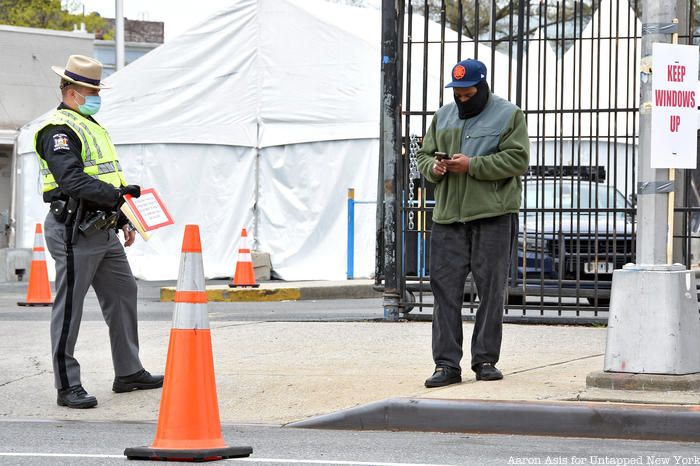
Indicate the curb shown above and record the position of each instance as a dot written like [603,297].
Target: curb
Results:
[222,293]
[653,382]
[565,419]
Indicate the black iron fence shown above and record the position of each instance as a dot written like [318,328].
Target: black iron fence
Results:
[572,66]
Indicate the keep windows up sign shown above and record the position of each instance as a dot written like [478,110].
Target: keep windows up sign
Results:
[674,116]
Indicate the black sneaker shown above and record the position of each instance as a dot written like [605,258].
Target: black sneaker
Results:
[75,397]
[487,371]
[443,376]
[142,380]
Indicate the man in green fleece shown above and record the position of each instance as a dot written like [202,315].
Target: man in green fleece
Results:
[475,220]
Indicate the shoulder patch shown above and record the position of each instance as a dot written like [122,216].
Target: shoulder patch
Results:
[60,142]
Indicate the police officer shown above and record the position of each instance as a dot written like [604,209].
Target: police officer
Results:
[84,185]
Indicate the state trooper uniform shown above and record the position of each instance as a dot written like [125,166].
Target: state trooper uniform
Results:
[84,184]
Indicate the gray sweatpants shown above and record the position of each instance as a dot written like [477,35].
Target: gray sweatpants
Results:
[100,261]
[482,247]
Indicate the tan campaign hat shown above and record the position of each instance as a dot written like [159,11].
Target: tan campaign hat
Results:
[81,70]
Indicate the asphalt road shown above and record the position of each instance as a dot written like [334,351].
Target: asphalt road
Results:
[327,310]
[93,443]
[151,309]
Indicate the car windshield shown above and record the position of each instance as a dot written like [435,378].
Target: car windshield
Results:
[568,195]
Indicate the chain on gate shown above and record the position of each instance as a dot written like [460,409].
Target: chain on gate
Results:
[413,174]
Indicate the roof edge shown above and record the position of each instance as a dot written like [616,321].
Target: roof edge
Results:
[47,32]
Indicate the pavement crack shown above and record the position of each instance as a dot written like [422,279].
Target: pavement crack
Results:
[560,363]
[238,324]
[22,378]
[37,365]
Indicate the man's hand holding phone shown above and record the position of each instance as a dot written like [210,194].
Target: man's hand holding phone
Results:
[440,164]
[459,163]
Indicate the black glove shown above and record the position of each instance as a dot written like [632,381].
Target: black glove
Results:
[133,190]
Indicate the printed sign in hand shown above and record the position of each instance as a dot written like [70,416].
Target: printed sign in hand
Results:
[147,212]
[674,106]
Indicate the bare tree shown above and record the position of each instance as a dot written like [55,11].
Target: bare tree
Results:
[496,21]
[563,19]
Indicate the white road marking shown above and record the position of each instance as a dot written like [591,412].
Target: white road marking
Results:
[350,463]
[59,455]
[248,460]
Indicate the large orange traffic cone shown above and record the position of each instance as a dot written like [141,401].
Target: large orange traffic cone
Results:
[188,424]
[244,275]
[39,290]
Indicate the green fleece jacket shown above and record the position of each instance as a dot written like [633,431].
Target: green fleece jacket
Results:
[497,143]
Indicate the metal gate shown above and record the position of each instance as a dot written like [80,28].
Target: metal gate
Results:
[572,66]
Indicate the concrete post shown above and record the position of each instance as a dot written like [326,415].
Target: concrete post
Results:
[654,325]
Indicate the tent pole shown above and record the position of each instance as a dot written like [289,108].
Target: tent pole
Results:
[256,212]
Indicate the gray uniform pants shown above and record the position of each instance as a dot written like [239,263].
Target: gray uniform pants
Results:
[482,247]
[100,261]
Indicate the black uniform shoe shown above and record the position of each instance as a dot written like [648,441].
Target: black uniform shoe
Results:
[76,397]
[487,371]
[443,376]
[142,380]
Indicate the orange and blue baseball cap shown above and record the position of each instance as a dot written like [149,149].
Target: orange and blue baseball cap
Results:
[467,73]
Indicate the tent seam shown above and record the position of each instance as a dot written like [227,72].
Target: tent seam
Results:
[258,126]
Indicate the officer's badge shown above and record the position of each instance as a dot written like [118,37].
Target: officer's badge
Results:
[60,142]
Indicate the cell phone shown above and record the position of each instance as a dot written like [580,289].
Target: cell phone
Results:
[440,156]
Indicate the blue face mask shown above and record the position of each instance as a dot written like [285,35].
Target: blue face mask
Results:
[92,104]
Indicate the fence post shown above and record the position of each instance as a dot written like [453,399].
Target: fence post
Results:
[351,234]
[390,150]
[519,69]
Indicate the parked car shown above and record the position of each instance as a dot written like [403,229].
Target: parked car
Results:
[573,233]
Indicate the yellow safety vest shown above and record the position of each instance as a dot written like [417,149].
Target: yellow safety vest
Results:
[99,154]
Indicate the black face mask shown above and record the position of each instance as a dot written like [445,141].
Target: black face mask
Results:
[476,104]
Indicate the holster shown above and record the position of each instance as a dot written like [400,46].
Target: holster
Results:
[59,211]
[64,211]
[98,221]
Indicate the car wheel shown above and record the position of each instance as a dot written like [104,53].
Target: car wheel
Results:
[409,300]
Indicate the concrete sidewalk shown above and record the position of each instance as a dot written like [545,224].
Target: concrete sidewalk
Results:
[283,372]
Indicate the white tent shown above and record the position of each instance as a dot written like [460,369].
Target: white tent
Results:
[261,117]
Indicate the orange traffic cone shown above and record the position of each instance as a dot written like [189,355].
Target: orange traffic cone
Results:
[39,290]
[244,276]
[188,424]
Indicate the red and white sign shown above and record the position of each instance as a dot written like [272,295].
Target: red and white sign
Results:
[674,120]
[149,210]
